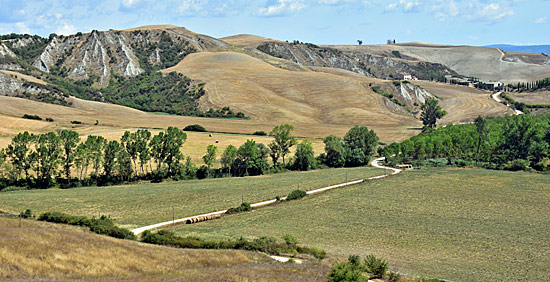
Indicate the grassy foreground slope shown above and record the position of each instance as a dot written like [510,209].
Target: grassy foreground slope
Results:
[143,204]
[40,250]
[456,224]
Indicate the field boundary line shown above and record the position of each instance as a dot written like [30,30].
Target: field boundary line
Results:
[374,163]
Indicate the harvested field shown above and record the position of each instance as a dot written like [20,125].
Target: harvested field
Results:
[532,98]
[139,205]
[455,224]
[40,250]
[464,104]
[24,77]
[270,94]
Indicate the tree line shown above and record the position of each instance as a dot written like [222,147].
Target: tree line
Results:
[514,143]
[67,160]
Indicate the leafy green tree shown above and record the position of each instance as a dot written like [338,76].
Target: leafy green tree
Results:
[109,158]
[210,157]
[142,147]
[129,142]
[124,164]
[335,153]
[82,160]
[523,138]
[18,151]
[275,152]
[166,148]
[304,158]
[69,141]
[46,157]
[96,145]
[482,130]
[251,159]
[360,144]
[228,157]
[283,140]
[431,112]
[375,266]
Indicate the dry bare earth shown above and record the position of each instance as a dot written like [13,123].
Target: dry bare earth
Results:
[484,63]
[532,98]
[464,104]
[40,250]
[306,99]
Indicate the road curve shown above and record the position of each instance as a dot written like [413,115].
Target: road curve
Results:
[374,163]
[496,98]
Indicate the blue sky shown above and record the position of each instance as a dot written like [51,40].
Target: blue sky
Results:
[464,22]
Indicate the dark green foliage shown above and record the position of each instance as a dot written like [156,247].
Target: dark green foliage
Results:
[30,51]
[283,140]
[251,159]
[290,240]
[394,277]
[296,194]
[304,159]
[170,52]
[431,112]
[263,244]
[49,119]
[195,127]
[35,117]
[396,54]
[228,157]
[378,90]
[259,133]
[76,122]
[244,207]
[349,271]
[26,214]
[335,153]
[360,145]
[375,266]
[102,225]
[513,142]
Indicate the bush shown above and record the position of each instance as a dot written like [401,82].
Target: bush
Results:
[394,277]
[260,133]
[103,225]
[26,214]
[49,119]
[194,127]
[202,172]
[14,188]
[76,122]
[517,165]
[35,117]
[296,194]
[290,240]
[351,270]
[375,266]
[242,208]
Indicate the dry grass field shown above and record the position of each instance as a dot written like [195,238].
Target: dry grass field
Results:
[455,224]
[532,98]
[24,77]
[271,94]
[484,63]
[46,251]
[464,104]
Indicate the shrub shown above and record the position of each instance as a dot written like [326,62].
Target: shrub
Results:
[315,252]
[296,194]
[242,208]
[103,225]
[290,240]
[35,117]
[259,133]
[76,122]
[351,270]
[14,188]
[49,119]
[194,127]
[394,277]
[518,165]
[26,214]
[375,266]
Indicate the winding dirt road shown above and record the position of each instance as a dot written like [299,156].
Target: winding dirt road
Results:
[374,163]
[496,97]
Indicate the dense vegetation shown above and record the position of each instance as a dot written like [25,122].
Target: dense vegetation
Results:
[46,160]
[263,244]
[513,143]
[543,84]
[102,225]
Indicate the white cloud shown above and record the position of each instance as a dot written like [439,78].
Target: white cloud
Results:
[282,7]
[494,12]
[541,20]
[129,3]
[66,29]
[192,6]
[22,28]
[405,5]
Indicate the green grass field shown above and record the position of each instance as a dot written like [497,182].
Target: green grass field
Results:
[143,204]
[456,224]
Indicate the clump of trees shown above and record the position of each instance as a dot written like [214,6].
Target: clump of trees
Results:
[64,159]
[513,143]
[45,160]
